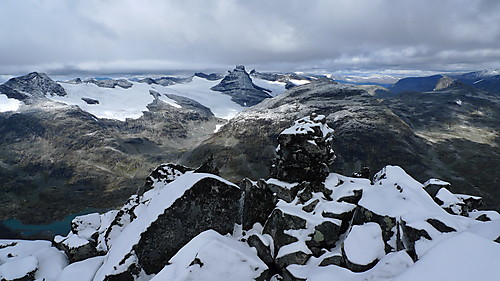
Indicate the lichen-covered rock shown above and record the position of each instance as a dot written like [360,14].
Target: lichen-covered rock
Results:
[304,151]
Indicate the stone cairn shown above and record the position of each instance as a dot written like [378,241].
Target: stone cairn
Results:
[304,151]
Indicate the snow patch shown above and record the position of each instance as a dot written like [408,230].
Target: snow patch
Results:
[8,104]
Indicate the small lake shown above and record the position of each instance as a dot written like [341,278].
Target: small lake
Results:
[44,231]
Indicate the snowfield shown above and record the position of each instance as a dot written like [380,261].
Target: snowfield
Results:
[118,103]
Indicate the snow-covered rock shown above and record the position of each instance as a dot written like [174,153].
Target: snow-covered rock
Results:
[30,260]
[211,256]
[193,203]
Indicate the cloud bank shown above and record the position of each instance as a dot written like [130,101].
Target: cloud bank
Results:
[60,36]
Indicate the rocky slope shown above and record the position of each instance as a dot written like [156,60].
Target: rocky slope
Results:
[429,135]
[303,224]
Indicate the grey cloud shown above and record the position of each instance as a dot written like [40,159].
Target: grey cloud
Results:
[155,35]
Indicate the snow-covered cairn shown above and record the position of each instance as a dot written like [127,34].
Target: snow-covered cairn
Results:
[304,151]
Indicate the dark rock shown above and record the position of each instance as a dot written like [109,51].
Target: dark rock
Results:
[432,187]
[169,80]
[325,235]
[147,81]
[353,199]
[440,226]
[387,224]
[258,204]
[110,83]
[283,191]
[292,258]
[410,236]
[79,253]
[263,251]
[210,77]
[363,173]
[483,217]
[90,101]
[304,151]
[13,94]
[208,204]
[333,260]
[276,225]
[208,166]
[240,87]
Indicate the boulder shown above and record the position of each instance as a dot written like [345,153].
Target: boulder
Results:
[174,215]
[363,247]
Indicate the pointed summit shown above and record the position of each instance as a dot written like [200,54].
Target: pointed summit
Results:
[36,85]
[240,87]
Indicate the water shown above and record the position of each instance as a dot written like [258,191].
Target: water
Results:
[39,231]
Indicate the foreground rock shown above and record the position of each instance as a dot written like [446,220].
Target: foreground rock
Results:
[198,226]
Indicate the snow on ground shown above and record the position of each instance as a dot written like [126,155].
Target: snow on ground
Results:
[275,87]
[218,258]
[114,103]
[18,257]
[7,104]
[199,90]
[118,103]
[82,270]
[463,257]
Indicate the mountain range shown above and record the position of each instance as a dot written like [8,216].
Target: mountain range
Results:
[278,176]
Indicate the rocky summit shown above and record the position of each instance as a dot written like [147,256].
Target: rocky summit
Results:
[239,86]
[33,85]
[198,226]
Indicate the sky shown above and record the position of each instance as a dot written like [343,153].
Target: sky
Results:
[153,36]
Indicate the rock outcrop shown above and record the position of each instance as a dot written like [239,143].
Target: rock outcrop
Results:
[239,86]
[110,83]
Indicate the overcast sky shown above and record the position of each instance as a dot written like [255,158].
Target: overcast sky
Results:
[109,36]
